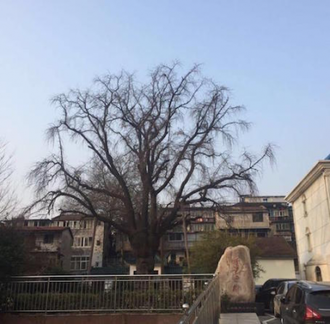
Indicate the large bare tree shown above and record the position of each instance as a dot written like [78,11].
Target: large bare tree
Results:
[156,147]
[7,197]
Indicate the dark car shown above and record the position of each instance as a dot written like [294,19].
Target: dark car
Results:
[267,292]
[281,291]
[306,302]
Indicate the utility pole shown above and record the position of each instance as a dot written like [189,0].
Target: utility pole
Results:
[186,241]
[92,247]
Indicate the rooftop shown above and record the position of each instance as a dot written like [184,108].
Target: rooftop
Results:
[69,217]
[308,180]
[41,229]
[275,247]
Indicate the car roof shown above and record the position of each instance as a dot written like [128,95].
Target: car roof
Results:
[281,279]
[314,286]
[290,281]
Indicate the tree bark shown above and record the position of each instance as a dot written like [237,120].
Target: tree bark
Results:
[144,247]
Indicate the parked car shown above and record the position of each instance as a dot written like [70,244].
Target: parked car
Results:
[281,291]
[306,302]
[267,292]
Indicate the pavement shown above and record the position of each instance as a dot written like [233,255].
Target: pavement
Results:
[248,318]
[239,318]
[269,319]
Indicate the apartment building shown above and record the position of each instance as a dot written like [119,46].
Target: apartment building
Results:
[50,247]
[244,219]
[280,215]
[89,241]
[198,221]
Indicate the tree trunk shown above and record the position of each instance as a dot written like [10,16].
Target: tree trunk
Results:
[144,247]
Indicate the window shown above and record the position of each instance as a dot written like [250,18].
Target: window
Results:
[318,274]
[257,217]
[264,199]
[280,289]
[320,298]
[48,239]
[283,227]
[299,295]
[290,294]
[309,241]
[83,241]
[79,262]
[175,237]
[304,205]
[98,242]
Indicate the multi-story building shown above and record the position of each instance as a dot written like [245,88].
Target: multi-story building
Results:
[311,211]
[172,253]
[50,247]
[37,222]
[89,241]
[197,221]
[279,212]
[244,219]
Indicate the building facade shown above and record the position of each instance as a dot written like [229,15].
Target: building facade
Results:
[310,201]
[276,258]
[279,212]
[49,247]
[244,219]
[89,241]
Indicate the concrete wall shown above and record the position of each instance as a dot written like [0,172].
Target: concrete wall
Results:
[242,221]
[275,268]
[47,247]
[84,229]
[91,319]
[66,249]
[132,269]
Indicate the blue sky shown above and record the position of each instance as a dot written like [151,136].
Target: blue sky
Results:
[273,55]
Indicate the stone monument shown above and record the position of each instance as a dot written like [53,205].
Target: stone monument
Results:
[235,274]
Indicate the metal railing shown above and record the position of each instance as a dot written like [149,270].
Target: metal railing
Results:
[151,293]
[206,308]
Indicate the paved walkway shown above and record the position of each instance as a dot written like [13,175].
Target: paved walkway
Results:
[241,318]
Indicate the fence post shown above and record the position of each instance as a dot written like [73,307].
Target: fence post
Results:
[115,301]
[81,294]
[47,295]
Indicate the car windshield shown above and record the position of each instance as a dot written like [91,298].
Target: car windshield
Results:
[320,299]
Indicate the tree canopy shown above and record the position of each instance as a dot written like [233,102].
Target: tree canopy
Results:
[165,142]
[13,255]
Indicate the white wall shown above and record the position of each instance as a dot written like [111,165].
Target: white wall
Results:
[317,220]
[275,269]
[132,268]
